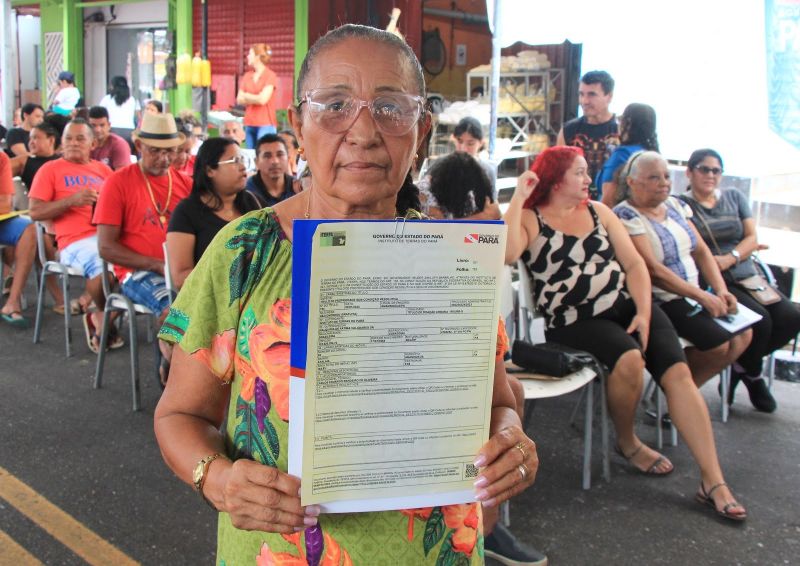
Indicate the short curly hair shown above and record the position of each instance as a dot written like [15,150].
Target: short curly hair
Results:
[456,176]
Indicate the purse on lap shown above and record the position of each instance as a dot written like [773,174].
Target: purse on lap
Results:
[760,289]
[550,358]
[756,285]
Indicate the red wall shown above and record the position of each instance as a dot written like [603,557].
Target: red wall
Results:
[233,26]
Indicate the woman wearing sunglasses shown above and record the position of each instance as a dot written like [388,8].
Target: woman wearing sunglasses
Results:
[360,120]
[724,220]
[217,197]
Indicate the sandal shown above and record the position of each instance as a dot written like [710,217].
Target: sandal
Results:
[74,308]
[705,498]
[15,318]
[652,469]
[92,339]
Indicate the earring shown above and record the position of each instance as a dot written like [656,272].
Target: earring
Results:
[301,151]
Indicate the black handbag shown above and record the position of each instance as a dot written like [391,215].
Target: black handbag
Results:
[550,358]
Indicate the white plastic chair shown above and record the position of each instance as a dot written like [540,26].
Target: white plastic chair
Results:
[525,316]
[64,273]
[117,302]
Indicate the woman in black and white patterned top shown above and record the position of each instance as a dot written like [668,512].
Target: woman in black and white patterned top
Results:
[594,291]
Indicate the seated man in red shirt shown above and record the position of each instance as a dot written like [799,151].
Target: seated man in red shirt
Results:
[65,191]
[134,208]
[109,148]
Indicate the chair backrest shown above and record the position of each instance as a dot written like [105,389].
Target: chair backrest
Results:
[20,195]
[526,306]
[168,274]
[40,247]
[765,269]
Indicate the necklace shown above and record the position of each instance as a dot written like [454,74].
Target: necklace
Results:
[161,212]
[308,206]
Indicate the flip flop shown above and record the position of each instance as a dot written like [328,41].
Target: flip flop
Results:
[704,498]
[115,341]
[91,333]
[15,318]
[74,308]
[652,469]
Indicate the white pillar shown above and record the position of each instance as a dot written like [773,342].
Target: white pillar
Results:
[8,65]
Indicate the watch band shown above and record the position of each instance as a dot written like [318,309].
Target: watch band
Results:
[199,476]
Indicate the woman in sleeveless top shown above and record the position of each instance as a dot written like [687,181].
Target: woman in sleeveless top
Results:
[594,291]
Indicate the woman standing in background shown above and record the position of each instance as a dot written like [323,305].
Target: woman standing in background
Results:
[256,92]
[123,109]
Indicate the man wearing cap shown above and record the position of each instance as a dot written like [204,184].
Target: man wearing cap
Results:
[68,95]
[64,192]
[134,208]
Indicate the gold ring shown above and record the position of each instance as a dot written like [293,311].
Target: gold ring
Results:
[523,470]
[522,450]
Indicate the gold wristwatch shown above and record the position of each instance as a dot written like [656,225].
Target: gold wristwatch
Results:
[199,474]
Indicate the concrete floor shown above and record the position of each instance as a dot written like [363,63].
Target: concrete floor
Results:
[89,454]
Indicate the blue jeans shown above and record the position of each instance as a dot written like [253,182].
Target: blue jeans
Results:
[147,288]
[253,133]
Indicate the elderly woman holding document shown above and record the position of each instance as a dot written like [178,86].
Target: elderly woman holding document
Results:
[360,119]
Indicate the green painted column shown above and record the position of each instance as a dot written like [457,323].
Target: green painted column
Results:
[300,36]
[73,40]
[180,23]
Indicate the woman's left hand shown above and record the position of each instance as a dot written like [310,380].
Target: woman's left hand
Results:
[730,301]
[641,325]
[508,463]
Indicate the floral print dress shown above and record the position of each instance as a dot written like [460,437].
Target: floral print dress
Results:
[233,314]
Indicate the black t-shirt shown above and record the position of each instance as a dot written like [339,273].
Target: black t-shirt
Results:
[256,186]
[32,165]
[17,135]
[596,140]
[3,132]
[191,216]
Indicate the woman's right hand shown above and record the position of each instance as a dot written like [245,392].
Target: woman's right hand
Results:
[525,185]
[262,498]
[713,304]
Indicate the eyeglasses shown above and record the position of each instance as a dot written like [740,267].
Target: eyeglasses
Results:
[160,151]
[706,170]
[238,160]
[335,110]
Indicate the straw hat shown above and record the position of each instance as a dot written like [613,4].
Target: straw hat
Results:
[158,130]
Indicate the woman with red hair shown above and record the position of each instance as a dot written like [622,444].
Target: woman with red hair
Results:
[594,291]
[257,94]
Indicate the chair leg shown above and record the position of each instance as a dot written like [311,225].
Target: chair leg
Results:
[575,409]
[659,415]
[67,333]
[37,328]
[134,358]
[771,366]
[587,436]
[101,355]
[604,430]
[505,513]
[725,382]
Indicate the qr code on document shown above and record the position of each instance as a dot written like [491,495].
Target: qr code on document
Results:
[470,471]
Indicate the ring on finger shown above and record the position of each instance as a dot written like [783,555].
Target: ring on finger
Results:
[523,471]
[522,450]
